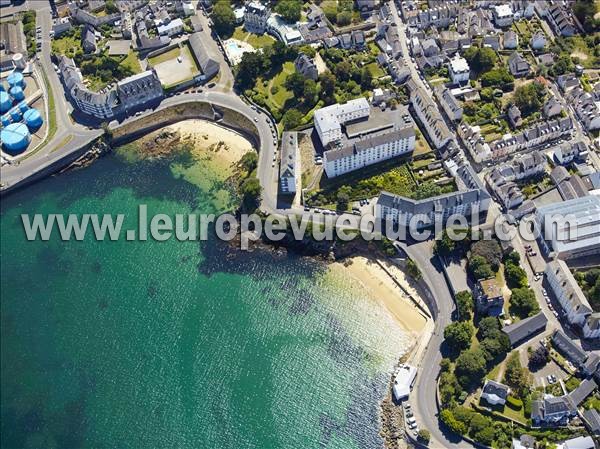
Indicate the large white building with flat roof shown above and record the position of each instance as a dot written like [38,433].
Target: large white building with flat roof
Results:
[576,228]
[503,14]
[568,293]
[459,70]
[329,120]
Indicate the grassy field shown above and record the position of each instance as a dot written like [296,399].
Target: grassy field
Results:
[375,70]
[132,62]
[274,90]
[166,56]
[257,41]
[67,45]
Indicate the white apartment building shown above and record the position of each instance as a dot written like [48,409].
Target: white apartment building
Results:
[428,114]
[369,150]
[576,229]
[172,28]
[503,15]
[289,170]
[567,292]
[329,120]
[255,17]
[459,70]
[450,104]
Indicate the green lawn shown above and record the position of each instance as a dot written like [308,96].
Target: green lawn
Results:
[67,45]
[274,90]
[257,41]
[166,56]
[132,62]
[376,70]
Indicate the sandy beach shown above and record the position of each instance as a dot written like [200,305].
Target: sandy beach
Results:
[383,289]
[206,134]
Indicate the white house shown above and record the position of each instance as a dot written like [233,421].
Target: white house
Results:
[289,170]
[503,15]
[567,292]
[538,41]
[255,17]
[404,378]
[495,393]
[459,70]
[172,28]
[329,120]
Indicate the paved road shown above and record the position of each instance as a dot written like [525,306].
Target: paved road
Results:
[50,153]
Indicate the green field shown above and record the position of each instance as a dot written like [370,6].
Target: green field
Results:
[163,57]
[257,41]
[67,45]
[274,91]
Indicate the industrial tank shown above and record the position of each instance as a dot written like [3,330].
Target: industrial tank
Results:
[16,79]
[5,120]
[23,106]
[2,88]
[15,114]
[33,119]
[19,61]
[5,102]
[15,138]
[17,93]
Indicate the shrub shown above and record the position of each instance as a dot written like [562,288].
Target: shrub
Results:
[514,403]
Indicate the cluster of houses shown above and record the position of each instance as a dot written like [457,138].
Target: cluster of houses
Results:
[502,180]
[585,104]
[508,144]
[128,95]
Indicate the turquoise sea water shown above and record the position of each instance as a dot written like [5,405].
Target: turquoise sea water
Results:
[177,345]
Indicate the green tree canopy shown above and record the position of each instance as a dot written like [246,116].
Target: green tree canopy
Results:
[223,18]
[480,268]
[290,10]
[529,97]
[464,305]
[291,119]
[470,367]
[523,302]
[480,59]
[458,335]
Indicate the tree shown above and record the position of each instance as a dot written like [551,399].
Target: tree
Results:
[344,18]
[464,305]
[249,161]
[223,18]
[488,327]
[497,78]
[310,91]
[426,190]
[495,346]
[295,83]
[111,7]
[250,67]
[480,59]
[342,70]
[424,436]
[480,268]
[515,276]
[458,335]
[327,83]
[512,257]
[445,246]
[291,119]
[366,78]
[490,250]
[470,367]
[343,197]
[290,10]
[515,375]
[529,97]
[413,270]
[251,192]
[585,11]
[539,358]
[453,424]
[523,302]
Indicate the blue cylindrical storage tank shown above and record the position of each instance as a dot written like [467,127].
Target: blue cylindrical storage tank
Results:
[5,120]
[5,102]
[23,106]
[16,79]
[15,138]
[33,119]
[15,114]
[2,88]
[17,93]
